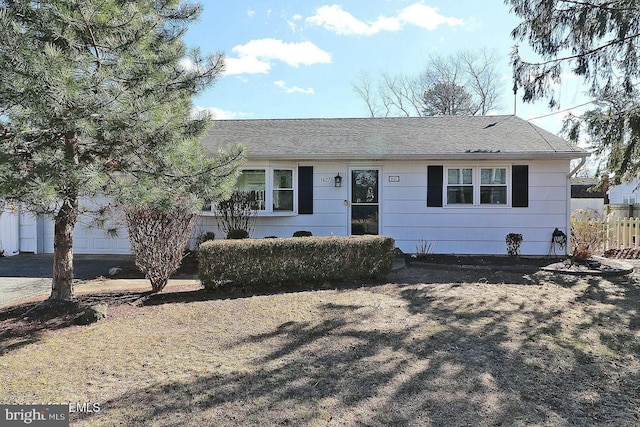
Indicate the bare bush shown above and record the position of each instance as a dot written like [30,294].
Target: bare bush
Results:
[587,233]
[237,212]
[158,240]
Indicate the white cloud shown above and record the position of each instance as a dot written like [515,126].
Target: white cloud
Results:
[245,65]
[256,56]
[218,113]
[339,21]
[336,20]
[187,64]
[427,17]
[251,13]
[293,89]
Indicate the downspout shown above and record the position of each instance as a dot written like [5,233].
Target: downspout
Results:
[575,170]
[570,175]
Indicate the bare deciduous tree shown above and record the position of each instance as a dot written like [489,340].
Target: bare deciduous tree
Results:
[364,86]
[466,83]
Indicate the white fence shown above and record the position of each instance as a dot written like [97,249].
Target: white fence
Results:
[622,233]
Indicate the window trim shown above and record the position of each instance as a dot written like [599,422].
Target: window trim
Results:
[477,185]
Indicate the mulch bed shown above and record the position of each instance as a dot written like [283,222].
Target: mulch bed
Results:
[480,260]
[627,253]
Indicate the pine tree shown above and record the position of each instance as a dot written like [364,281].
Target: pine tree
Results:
[597,40]
[92,91]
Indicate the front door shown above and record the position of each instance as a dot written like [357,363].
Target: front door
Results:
[365,201]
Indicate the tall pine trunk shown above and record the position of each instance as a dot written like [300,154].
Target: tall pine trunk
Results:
[64,222]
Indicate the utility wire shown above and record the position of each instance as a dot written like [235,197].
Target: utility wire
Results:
[562,111]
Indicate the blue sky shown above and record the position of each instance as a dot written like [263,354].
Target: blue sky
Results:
[296,59]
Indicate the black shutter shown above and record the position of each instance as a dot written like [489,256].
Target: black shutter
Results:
[520,186]
[305,189]
[434,186]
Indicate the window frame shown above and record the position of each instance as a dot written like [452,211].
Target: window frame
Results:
[477,185]
[461,185]
[494,185]
[270,188]
[275,188]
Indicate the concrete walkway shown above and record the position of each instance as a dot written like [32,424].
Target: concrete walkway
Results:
[27,275]
[17,288]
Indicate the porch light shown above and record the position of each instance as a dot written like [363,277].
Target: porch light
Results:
[338,180]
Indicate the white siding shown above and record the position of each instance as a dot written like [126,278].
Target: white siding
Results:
[28,232]
[616,193]
[9,232]
[406,217]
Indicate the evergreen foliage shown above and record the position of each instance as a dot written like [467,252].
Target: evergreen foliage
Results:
[597,40]
[95,97]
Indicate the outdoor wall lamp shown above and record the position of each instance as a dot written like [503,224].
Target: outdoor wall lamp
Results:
[337,180]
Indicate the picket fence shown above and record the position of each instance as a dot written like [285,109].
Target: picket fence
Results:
[622,233]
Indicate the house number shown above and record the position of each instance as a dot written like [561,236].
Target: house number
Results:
[393,178]
[326,179]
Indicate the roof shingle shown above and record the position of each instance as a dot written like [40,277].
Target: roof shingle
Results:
[445,137]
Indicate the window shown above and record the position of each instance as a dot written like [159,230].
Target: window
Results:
[282,190]
[460,186]
[629,199]
[476,186]
[493,186]
[253,182]
[272,189]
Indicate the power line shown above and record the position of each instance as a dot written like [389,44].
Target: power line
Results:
[562,111]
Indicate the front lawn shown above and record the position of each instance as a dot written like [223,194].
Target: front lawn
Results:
[431,347]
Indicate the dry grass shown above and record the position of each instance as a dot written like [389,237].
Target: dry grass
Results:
[429,348]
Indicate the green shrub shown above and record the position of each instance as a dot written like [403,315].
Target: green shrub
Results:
[238,234]
[291,260]
[302,233]
[513,240]
[203,237]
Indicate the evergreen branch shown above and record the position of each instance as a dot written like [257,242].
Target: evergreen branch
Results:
[582,54]
[607,6]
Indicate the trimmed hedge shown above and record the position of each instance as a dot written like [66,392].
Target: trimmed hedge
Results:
[293,260]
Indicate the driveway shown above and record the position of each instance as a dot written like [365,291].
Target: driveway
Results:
[26,275]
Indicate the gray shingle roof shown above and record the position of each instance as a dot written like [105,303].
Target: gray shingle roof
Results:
[447,137]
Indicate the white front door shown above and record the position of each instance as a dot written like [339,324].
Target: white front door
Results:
[364,190]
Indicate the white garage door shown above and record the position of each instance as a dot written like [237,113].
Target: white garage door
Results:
[92,240]
[89,240]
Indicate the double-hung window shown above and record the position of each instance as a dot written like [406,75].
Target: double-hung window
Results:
[493,186]
[460,186]
[282,190]
[476,186]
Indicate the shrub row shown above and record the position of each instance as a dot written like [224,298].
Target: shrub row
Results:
[293,260]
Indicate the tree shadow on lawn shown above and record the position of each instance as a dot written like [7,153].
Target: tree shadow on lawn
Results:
[24,324]
[434,360]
